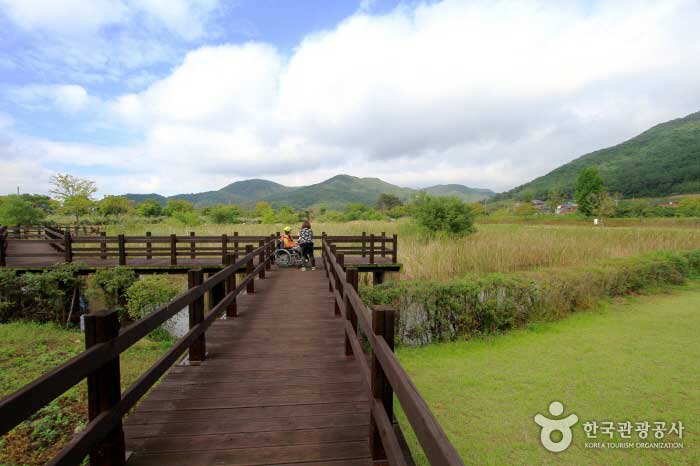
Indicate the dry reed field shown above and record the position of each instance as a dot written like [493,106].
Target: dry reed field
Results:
[493,248]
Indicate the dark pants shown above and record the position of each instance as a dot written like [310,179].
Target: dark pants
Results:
[307,254]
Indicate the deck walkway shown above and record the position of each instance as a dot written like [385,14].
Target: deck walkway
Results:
[276,388]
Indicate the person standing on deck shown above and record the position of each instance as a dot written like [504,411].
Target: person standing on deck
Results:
[306,243]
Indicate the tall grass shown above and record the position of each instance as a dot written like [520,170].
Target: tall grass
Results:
[493,248]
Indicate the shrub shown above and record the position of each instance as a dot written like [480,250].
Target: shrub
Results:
[42,297]
[15,210]
[444,311]
[147,294]
[190,219]
[443,214]
[111,284]
[224,214]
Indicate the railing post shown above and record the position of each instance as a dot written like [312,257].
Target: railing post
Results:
[371,248]
[270,253]
[382,325]
[261,258]
[250,287]
[352,277]
[68,244]
[364,253]
[330,287]
[149,246]
[395,248]
[104,388]
[173,249]
[216,294]
[383,241]
[3,260]
[232,309]
[198,349]
[224,248]
[103,245]
[193,246]
[122,249]
[235,242]
[338,285]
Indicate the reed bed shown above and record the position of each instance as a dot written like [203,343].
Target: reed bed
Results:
[493,248]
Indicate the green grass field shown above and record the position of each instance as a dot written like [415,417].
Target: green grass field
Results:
[633,360]
[29,350]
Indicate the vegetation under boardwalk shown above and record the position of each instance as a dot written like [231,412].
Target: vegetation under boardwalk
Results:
[276,387]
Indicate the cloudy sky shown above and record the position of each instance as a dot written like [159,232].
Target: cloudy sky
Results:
[176,96]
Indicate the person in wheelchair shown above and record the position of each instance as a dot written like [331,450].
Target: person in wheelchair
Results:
[286,240]
[288,253]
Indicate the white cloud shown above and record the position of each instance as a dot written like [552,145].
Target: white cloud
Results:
[67,98]
[482,93]
[79,17]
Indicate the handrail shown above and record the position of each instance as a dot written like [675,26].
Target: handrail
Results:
[430,434]
[124,249]
[21,404]
[3,245]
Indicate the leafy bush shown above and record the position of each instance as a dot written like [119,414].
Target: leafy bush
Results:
[42,297]
[16,210]
[110,286]
[224,214]
[147,294]
[190,219]
[443,214]
[149,208]
[436,311]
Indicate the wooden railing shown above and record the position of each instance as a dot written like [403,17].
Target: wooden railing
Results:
[3,245]
[383,375]
[139,250]
[103,437]
[370,246]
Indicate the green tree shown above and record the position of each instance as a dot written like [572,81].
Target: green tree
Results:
[555,198]
[40,201]
[387,202]
[65,186]
[149,208]
[589,185]
[114,205]
[446,214]
[224,214]
[78,205]
[262,209]
[286,214]
[174,206]
[16,210]
[604,206]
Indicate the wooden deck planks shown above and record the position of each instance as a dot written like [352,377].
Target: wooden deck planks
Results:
[276,388]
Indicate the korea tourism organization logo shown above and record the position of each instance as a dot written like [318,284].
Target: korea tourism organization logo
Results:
[606,434]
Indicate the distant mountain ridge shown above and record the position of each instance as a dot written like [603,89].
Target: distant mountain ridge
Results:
[333,193]
[662,161]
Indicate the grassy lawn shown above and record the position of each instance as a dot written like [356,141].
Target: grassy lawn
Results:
[633,360]
[29,350]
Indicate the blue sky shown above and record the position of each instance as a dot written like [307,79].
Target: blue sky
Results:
[188,95]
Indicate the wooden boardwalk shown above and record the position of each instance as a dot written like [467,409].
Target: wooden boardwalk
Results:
[276,388]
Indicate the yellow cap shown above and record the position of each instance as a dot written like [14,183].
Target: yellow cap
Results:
[287,229]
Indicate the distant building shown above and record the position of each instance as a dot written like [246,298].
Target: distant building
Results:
[541,206]
[567,208]
[668,204]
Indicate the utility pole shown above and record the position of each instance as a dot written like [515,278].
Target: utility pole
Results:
[18,190]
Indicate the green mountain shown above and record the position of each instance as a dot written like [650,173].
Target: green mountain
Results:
[662,161]
[460,191]
[333,193]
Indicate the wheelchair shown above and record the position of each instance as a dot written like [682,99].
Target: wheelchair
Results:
[287,257]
